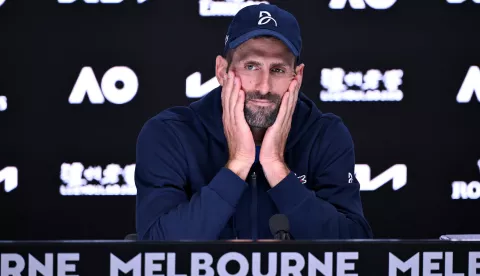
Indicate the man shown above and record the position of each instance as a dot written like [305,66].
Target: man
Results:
[252,148]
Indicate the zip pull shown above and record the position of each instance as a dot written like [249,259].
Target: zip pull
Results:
[254,205]
[253,180]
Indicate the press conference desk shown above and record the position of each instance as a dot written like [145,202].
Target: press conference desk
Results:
[352,257]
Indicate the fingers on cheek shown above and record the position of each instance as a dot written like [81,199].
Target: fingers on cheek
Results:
[290,103]
[284,108]
[287,97]
[292,86]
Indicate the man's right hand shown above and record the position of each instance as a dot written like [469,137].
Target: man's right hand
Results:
[241,146]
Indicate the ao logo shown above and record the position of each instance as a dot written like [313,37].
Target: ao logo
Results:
[9,176]
[470,86]
[397,174]
[97,1]
[87,84]
[360,4]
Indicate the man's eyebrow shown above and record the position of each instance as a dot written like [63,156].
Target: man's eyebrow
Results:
[274,64]
[251,61]
[252,55]
[281,64]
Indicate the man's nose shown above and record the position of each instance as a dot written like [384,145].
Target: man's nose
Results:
[263,82]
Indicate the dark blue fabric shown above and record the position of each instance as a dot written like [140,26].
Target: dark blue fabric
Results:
[184,191]
[257,154]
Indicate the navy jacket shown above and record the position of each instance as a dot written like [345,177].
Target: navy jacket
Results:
[184,191]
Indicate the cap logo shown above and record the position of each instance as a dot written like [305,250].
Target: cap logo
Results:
[226,40]
[265,18]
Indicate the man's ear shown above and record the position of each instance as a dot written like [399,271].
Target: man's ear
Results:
[299,70]
[221,65]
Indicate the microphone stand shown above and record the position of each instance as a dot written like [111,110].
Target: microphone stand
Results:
[282,235]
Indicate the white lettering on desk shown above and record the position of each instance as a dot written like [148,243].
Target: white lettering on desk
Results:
[12,264]
[202,263]
[291,263]
[431,264]
[152,265]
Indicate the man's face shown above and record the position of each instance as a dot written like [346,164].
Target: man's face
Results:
[266,68]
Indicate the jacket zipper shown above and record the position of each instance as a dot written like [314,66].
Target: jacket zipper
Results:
[253,210]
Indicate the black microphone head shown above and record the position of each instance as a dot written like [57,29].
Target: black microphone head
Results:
[279,222]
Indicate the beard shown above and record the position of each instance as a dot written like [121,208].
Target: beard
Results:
[261,116]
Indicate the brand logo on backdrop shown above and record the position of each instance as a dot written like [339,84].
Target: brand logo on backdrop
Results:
[396,173]
[342,86]
[464,190]
[225,7]
[96,1]
[196,89]
[470,86]
[119,86]
[9,177]
[362,4]
[3,103]
[113,179]
[462,1]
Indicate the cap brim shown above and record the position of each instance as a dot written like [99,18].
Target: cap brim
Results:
[259,32]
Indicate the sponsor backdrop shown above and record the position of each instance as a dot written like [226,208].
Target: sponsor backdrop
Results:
[78,79]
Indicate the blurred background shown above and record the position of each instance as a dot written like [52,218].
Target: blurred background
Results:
[78,79]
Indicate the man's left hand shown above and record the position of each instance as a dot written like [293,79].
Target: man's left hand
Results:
[273,146]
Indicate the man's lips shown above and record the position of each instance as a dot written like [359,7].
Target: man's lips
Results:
[262,102]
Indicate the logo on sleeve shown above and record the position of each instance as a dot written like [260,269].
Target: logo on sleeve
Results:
[302,178]
[350,178]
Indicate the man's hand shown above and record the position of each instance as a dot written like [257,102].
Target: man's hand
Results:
[273,145]
[241,146]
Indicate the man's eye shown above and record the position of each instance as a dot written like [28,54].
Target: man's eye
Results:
[250,67]
[278,70]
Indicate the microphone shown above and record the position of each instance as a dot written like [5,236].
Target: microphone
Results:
[280,227]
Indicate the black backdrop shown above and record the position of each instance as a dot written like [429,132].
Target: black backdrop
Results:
[45,44]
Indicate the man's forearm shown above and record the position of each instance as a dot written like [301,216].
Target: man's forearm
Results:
[175,217]
[275,172]
[239,168]
[312,217]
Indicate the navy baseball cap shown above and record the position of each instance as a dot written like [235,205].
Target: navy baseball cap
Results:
[264,19]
